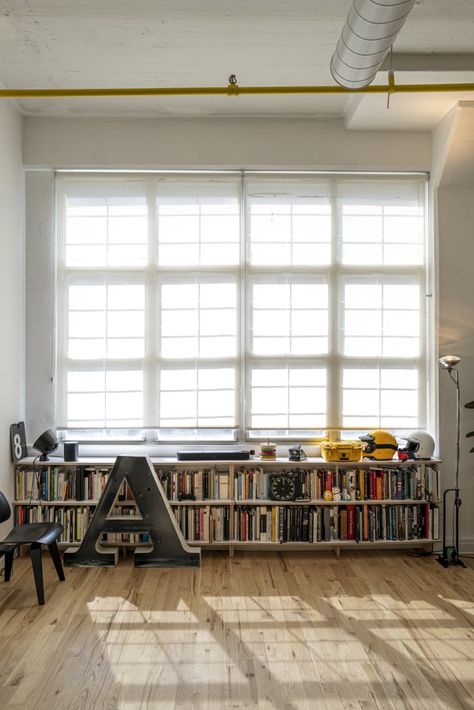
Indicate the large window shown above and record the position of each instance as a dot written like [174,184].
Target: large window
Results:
[230,306]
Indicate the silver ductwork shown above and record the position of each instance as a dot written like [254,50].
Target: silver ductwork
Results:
[368,33]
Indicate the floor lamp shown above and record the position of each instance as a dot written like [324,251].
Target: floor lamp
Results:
[450,554]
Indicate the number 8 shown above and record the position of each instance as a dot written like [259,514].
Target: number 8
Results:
[17,445]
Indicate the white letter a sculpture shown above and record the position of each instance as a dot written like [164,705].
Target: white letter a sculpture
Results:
[167,547]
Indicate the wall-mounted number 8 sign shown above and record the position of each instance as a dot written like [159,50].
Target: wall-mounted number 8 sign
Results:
[18,441]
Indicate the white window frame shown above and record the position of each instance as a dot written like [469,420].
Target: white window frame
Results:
[245,274]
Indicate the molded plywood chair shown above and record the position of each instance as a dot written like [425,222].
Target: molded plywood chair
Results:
[35,535]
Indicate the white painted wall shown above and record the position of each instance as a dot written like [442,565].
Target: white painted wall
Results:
[455,207]
[12,286]
[225,143]
[453,201]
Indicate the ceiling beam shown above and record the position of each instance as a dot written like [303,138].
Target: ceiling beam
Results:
[418,62]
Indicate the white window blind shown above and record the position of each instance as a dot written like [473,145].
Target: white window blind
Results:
[232,306]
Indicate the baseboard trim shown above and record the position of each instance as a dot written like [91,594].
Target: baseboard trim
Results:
[466,545]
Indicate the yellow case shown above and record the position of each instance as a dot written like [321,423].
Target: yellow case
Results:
[342,450]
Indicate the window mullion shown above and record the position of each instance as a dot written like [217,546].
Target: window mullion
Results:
[151,360]
[334,311]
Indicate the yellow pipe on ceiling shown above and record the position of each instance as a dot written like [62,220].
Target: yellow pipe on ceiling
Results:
[234,90]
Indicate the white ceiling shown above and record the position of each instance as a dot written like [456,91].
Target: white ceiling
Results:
[148,43]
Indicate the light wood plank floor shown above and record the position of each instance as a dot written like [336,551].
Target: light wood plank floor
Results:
[294,630]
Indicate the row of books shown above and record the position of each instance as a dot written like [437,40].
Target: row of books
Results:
[262,523]
[410,483]
[336,523]
[80,483]
[250,483]
[203,484]
[203,523]
[254,483]
[75,521]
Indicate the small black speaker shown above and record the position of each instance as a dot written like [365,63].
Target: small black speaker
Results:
[71,450]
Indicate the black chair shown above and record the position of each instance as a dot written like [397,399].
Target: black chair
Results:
[35,535]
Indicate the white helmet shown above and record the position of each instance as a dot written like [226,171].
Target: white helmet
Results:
[420,445]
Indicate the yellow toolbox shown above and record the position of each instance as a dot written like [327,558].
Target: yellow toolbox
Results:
[342,450]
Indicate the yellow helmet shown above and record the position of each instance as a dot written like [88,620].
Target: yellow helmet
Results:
[380,445]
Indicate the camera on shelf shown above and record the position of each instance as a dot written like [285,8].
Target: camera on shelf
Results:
[297,454]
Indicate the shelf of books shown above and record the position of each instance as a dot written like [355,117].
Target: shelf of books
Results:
[257,504]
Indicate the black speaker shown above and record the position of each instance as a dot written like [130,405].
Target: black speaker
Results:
[71,450]
[46,443]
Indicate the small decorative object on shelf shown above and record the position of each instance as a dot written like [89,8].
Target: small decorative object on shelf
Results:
[312,504]
[297,453]
[46,443]
[341,450]
[268,451]
[71,450]
[282,486]
[380,445]
[336,494]
[420,445]
[18,441]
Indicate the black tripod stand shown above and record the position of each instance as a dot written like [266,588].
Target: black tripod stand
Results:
[450,554]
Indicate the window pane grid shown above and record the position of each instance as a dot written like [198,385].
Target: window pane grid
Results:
[289,224]
[197,397]
[196,227]
[381,318]
[192,326]
[385,230]
[106,231]
[387,397]
[289,318]
[318,232]
[102,324]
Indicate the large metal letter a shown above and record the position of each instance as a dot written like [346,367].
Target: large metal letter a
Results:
[167,546]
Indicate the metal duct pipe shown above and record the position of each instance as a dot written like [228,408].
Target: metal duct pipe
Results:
[368,33]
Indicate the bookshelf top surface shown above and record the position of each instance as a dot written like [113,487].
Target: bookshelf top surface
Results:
[109,461]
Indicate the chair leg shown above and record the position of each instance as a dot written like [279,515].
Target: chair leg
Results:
[8,565]
[56,557]
[35,554]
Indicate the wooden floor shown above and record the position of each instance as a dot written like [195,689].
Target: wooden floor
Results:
[266,630]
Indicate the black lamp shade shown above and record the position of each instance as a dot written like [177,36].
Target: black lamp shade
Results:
[46,443]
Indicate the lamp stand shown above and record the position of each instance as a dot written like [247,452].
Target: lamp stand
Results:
[450,554]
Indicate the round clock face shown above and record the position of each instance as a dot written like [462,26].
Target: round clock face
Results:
[282,488]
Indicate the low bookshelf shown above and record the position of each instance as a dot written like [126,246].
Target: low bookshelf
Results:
[229,504]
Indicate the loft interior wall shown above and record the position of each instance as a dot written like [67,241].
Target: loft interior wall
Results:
[453,203]
[454,159]
[220,143]
[12,285]
[455,207]
[229,143]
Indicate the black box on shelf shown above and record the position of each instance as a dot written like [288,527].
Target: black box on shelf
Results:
[228,455]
